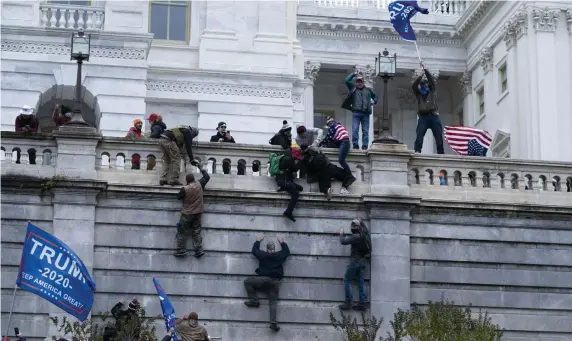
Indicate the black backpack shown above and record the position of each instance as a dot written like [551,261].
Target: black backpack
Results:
[364,233]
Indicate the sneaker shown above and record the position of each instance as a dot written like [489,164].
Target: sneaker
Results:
[346,306]
[181,253]
[364,148]
[344,191]
[329,194]
[199,254]
[163,182]
[252,304]
[356,147]
[289,215]
[274,326]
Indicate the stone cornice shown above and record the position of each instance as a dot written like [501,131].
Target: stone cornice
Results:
[472,16]
[63,49]
[375,32]
[177,73]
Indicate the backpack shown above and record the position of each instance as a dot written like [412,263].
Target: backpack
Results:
[274,164]
[364,233]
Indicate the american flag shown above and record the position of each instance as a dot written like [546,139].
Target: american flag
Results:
[468,141]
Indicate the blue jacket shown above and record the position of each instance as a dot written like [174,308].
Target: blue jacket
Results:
[351,87]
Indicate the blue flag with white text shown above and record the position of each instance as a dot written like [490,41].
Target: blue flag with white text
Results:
[51,270]
[400,13]
[168,309]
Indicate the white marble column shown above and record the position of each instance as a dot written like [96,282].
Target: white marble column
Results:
[545,120]
[272,16]
[565,117]
[509,37]
[466,85]
[311,70]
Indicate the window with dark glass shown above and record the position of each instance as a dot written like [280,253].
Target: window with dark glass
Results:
[169,20]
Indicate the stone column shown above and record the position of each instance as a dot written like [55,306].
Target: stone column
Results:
[74,223]
[368,73]
[219,20]
[299,116]
[567,119]
[311,70]
[390,264]
[429,146]
[510,39]
[546,119]
[389,174]
[466,85]
[76,152]
[272,20]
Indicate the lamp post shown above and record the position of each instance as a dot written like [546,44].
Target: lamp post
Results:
[80,49]
[385,69]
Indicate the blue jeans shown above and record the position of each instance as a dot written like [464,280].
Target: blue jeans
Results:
[433,122]
[344,149]
[354,271]
[357,119]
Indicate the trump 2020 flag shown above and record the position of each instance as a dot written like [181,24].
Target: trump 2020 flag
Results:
[168,309]
[400,13]
[51,270]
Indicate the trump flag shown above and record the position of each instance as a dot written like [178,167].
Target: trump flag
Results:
[168,309]
[51,270]
[400,13]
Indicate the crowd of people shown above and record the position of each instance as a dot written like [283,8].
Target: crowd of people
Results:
[305,156]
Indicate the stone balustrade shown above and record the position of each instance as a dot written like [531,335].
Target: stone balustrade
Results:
[72,17]
[240,166]
[436,7]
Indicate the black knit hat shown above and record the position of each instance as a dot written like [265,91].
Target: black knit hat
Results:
[134,304]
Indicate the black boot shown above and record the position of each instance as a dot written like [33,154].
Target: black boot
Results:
[360,306]
[274,326]
[199,254]
[181,253]
[289,215]
[346,306]
[163,182]
[252,303]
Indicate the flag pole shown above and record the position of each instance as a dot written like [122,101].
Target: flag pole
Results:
[11,309]
[417,48]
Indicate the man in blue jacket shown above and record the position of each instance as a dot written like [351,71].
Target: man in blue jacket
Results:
[270,272]
[359,101]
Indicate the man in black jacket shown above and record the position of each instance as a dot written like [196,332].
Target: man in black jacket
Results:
[427,110]
[172,141]
[222,135]
[356,267]
[320,167]
[127,322]
[270,272]
[157,125]
[285,181]
[283,137]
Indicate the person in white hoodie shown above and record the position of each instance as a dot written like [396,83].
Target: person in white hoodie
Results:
[309,136]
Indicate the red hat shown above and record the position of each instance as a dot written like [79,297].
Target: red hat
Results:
[300,129]
[152,117]
[134,304]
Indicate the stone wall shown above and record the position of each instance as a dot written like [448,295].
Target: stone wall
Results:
[479,239]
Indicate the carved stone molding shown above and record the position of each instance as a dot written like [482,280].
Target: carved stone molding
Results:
[568,14]
[486,59]
[219,89]
[311,70]
[520,22]
[545,19]
[368,73]
[61,49]
[405,96]
[509,34]
[296,99]
[465,82]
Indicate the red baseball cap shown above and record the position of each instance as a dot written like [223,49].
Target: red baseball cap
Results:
[152,117]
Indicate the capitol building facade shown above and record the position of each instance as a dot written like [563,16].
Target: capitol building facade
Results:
[501,66]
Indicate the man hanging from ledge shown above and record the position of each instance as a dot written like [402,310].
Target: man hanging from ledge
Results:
[172,141]
[190,223]
[270,271]
[360,242]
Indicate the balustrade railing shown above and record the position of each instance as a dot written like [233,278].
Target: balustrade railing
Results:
[122,160]
[72,17]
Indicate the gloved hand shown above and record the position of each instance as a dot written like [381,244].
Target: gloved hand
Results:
[195,163]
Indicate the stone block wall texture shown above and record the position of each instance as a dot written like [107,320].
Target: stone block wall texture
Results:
[516,265]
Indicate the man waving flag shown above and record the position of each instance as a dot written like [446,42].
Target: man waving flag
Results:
[400,13]
[468,141]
